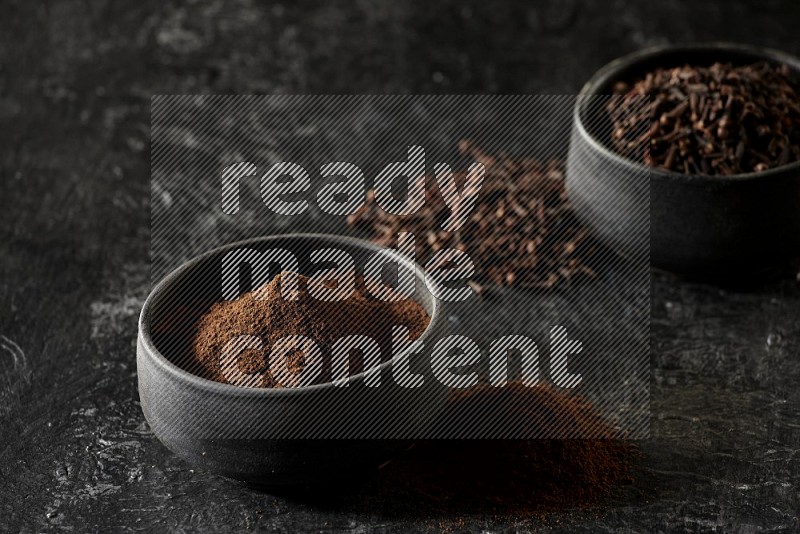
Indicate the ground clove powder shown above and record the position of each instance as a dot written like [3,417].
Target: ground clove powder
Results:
[264,313]
[435,478]
[524,478]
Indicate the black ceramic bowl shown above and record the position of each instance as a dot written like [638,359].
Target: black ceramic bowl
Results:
[706,227]
[241,432]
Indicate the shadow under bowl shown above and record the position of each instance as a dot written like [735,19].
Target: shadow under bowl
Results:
[273,437]
[720,228]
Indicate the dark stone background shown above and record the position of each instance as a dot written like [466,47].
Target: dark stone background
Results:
[75,83]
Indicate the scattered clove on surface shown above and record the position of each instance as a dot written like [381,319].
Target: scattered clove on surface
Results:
[521,232]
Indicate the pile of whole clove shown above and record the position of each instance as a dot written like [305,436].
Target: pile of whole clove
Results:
[718,120]
[521,231]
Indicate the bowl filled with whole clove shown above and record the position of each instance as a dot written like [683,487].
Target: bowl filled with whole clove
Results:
[696,149]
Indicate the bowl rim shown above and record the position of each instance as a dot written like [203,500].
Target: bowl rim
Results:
[178,373]
[609,70]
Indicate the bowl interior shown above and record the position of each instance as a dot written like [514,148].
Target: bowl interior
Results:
[591,111]
[171,313]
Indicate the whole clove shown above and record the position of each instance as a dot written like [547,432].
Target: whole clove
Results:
[521,232]
[719,120]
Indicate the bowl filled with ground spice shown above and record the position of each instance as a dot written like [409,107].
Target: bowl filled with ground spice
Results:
[287,360]
[694,149]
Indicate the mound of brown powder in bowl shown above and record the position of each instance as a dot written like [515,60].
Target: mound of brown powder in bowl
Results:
[723,119]
[267,315]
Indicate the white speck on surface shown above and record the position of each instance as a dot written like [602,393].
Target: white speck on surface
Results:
[773,339]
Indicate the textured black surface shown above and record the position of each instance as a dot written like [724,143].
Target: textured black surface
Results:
[75,83]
